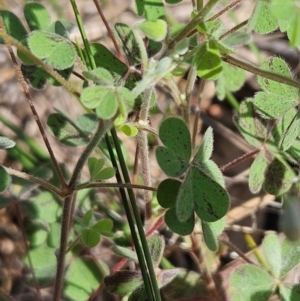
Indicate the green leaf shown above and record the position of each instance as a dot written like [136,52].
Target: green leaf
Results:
[211,169]
[13,26]
[95,165]
[290,134]
[282,257]
[248,281]
[185,198]
[99,76]
[154,10]
[88,122]
[277,98]
[175,225]
[250,125]
[66,132]
[278,177]
[284,14]
[155,30]
[208,61]
[43,261]
[211,231]
[55,50]
[272,250]
[293,30]
[77,287]
[125,252]
[167,192]
[103,226]
[37,16]
[6,143]
[230,80]
[237,38]
[175,135]
[106,173]
[211,201]
[156,246]
[53,239]
[257,171]
[90,237]
[37,237]
[61,27]
[289,292]
[129,130]
[105,59]
[123,282]
[44,207]
[262,20]
[87,218]
[206,147]
[128,42]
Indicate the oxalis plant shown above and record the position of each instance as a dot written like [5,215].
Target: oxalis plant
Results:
[61,224]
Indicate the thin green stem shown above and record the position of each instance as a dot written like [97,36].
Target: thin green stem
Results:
[233,29]
[137,218]
[131,221]
[193,23]
[113,185]
[103,127]
[239,159]
[197,117]
[83,34]
[27,177]
[65,222]
[142,140]
[199,4]
[256,70]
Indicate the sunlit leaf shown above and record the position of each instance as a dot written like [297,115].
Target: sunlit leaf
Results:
[55,50]
[154,29]
[208,61]
[250,280]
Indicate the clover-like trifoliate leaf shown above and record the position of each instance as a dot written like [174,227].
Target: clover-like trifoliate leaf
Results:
[55,50]
[173,158]
[37,16]
[107,100]
[262,19]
